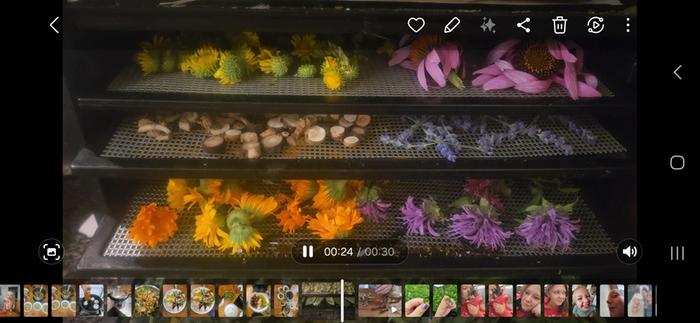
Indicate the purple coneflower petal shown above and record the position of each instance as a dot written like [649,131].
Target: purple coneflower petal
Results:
[566,55]
[399,56]
[578,51]
[421,75]
[553,48]
[501,50]
[407,64]
[504,65]
[492,70]
[590,79]
[570,80]
[481,79]
[519,76]
[449,57]
[537,86]
[498,83]
[584,90]
[432,65]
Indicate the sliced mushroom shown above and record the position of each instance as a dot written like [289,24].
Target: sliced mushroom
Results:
[350,117]
[232,135]
[292,120]
[315,135]
[251,150]
[275,123]
[351,141]
[272,144]
[218,129]
[213,145]
[184,125]
[358,132]
[345,123]
[268,132]
[363,120]
[247,137]
[144,121]
[337,133]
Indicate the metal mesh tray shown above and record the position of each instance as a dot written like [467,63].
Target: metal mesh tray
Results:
[126,142]
[592,240]
[376,80]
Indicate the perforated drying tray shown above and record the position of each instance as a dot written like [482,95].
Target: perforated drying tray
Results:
[376,80]
[126,142]
[592,240]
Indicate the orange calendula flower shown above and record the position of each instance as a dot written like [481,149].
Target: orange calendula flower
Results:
[336,222]
[153,225]
[256,206]
[303,189]
[291,218]
[334,192]
[211,187]
[207,229]
[177,189]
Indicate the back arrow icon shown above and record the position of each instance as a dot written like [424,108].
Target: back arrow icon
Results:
[675,72]
[52,27]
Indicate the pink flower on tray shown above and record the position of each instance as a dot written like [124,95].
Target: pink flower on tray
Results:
[431,54]
[531,67]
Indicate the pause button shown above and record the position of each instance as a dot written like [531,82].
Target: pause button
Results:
[307,251]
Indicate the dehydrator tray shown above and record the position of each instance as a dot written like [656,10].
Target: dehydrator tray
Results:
[127,143]
[592,240]
[376,80]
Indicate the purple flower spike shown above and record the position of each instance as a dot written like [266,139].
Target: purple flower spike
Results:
[478,229]
[416,220]
[549,230]
[374,211]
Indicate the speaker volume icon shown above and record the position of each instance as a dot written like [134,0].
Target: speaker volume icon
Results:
[630,251]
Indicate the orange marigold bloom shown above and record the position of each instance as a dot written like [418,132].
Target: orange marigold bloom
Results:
[336,222]
[291,218]
[303,189]
[153,225]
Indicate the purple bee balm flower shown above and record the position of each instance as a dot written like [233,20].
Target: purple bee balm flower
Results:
[543,59]
[416,219]
[478,229]
[549,230]
[479,188]
[374,210]
[441,60]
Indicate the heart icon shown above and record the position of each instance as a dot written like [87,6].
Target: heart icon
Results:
[416,24]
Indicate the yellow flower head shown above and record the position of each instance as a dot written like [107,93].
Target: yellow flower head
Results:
[334,192]
[256,206]
[153,225]
[177,189]
[275,63]
[249,57]
[291,218]
[231,69]
[303,189]
[330,63]
[241,238]
[203,63]
[149,61]
[207,227]
[303,46]
[192,197]
[336,222]
[251,39]
[332,80]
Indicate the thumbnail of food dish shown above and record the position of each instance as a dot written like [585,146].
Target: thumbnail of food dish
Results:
[63,300]
[147,300]
[91,300]
[174,300]
[36,300]
[202,301]
[119,301]
[258,300]
[231,301]
[286,300]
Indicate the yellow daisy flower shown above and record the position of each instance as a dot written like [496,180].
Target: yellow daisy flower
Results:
[203,63]
[192,197]
[207,229]
[303,46]
[241,238]
[256,206]
[177,189]
[332,80]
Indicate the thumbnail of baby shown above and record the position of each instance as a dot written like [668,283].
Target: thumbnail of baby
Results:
[583,303]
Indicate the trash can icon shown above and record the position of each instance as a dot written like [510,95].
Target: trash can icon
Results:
[559,25]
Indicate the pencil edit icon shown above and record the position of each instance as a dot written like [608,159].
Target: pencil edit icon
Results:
[454,22]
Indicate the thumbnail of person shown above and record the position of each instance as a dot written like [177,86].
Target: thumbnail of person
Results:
[63,300]
[528,301]
[500,298]
[416,300]
[640,301]
[614,302]
[445,296]
[379,300]
[473,300]
[9,294]
[556,300]
[584,299]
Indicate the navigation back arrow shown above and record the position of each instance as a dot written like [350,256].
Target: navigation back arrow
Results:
[675,72]
[52,27]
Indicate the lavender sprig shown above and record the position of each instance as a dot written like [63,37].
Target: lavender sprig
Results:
[586,135]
